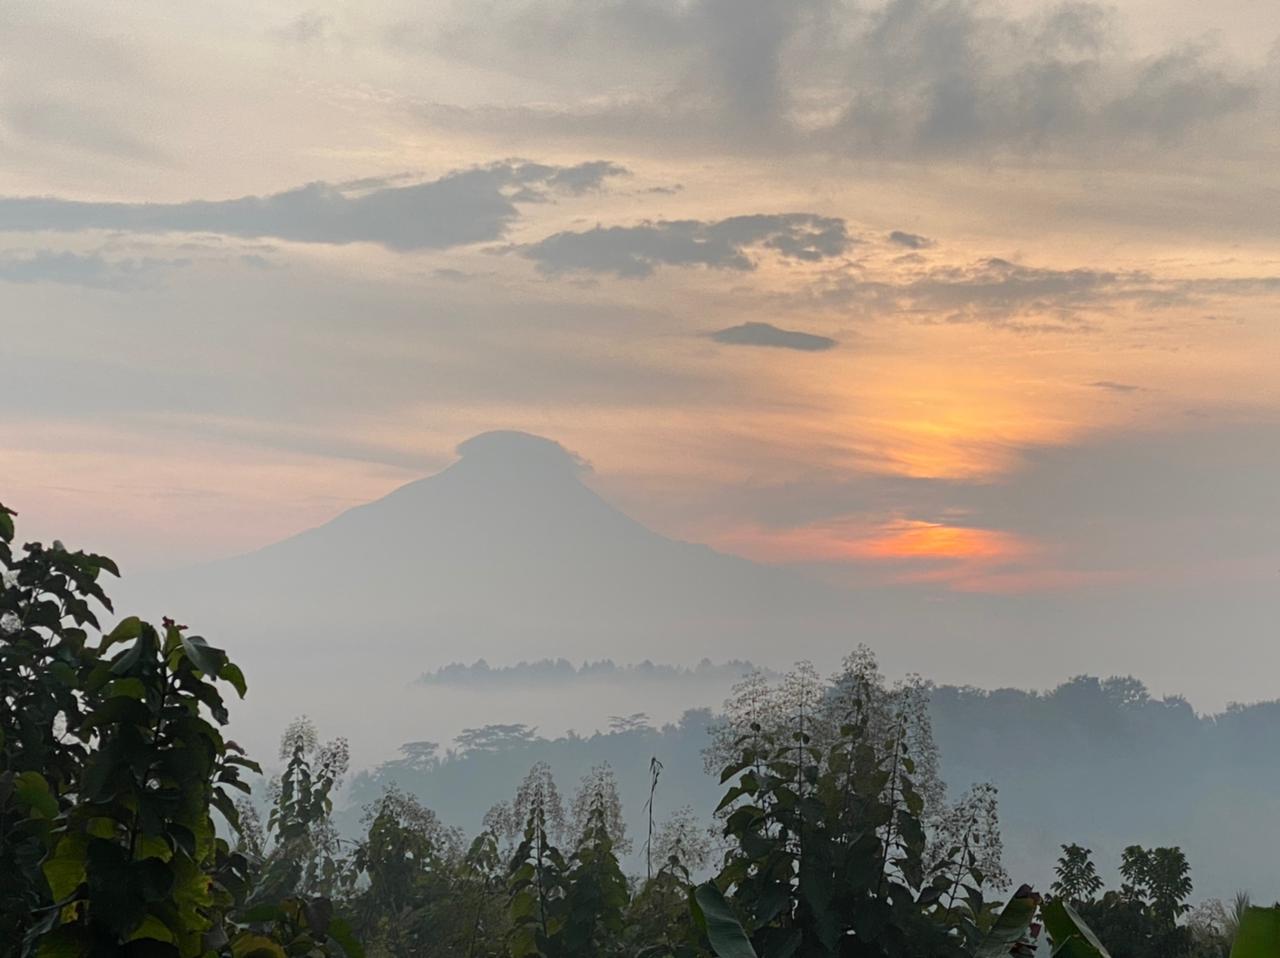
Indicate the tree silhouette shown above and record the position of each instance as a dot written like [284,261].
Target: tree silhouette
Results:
[1077,879]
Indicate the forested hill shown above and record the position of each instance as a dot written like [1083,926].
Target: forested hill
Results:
[1099,762]
[1105,764]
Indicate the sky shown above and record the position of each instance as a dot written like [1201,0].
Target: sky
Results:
[978,297]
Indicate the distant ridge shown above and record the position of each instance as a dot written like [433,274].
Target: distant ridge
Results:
[558,672]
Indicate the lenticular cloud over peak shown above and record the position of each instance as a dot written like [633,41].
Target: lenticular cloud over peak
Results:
[509,448]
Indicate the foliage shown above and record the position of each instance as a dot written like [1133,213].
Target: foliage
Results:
[299,851]
[1140,920]
[114,775]
[492,738]
[1162,877]
[416,877]
[966,834]
[597,803]
[1212,927]
[113,767]
[1077,877]
[825,820]
[1071,936]
[536,879]
[597,893]
[1258,934]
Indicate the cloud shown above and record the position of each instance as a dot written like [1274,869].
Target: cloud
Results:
[305,28]
[1016,295]
[62,123]
[585,177]
[636,251]
[1115,387]
[520,452]
[992,290]
[468,206]
[1004,286]
[910,240]
[82,269]
[911,79]
[766,334]
[939,76]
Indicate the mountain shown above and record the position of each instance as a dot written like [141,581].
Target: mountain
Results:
[505,555]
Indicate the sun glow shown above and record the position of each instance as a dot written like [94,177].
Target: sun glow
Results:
[902,544]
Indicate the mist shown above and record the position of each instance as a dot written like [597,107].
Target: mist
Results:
[639,479]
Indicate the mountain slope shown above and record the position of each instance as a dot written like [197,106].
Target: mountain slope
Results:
[507,553]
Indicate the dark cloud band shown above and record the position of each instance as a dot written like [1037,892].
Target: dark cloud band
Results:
[469,206]
[636,251]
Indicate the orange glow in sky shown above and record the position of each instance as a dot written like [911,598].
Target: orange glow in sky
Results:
[907,550]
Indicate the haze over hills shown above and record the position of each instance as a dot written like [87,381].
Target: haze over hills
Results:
[507,555]
[1100,762]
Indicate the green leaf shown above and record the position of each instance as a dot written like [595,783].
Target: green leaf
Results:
[341,932]
[153,928]
[1072,938]
[126,630]
[1259,934]
[66,942]
[204,656]
[249,945]
[65,869]
[730,797]
[128,661]
[231,673]
[154,879]
[109,565]
[1008,929]
[101,827]
[724,931]
[152,846]
[129,688]
[33,791]
[268,911]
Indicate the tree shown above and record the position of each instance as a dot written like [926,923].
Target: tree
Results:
[659,922]
[418,756]
[1077,879]
[113,776]
[1168,881]
[302,847]
[111,768]
[1212,929]
[827,845]
[536,878]
[597,797]
[596,893]
[969,831]
[683,840]
[409,860]
[635,722]
[1141,919]
[493,738]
